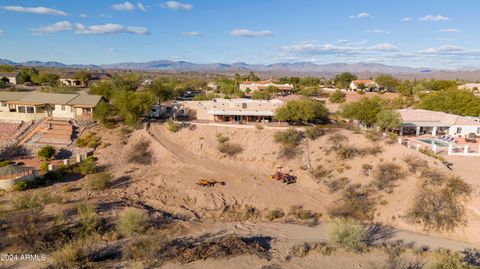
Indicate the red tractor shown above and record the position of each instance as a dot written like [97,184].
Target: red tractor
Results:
[284,177]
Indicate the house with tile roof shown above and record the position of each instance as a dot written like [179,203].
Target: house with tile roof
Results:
[253,86]
[363,84]
[420,122]
[27,106]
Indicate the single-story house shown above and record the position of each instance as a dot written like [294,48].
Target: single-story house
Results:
[363,84]
[12,78]
[420,121]
[234,110]
[27,106]
[264,84]
[11,174]
[70,80]
[470,86]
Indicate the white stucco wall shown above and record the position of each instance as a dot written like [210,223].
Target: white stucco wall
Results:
[465,130]
[69,112]
[7,184]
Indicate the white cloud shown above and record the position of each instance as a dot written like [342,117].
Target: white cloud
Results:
[343,41]
[176,5]
[35,10]
[250,33]
[111,50]
[53,28]
[362,15]
[362,42]
[378,31]
[434,18]
[197,34]
[384,47]
[108,28]
[313,48]
[407,19]
[83,15]
[141,7]
[449,50]
[450,30]
[127,6]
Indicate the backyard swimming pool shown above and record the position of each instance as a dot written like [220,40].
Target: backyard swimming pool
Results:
[437,142]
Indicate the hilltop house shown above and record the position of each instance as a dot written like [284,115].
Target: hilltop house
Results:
[363,84]
[419,122]
[27,106]
[12,78]
[252,86]
[234,110]
[70,80]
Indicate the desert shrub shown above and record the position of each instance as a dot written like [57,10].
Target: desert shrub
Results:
[431,154]
[140,153]
[43,167]
[347,234]
[289,152]
[299,213]
[385,175]
[100,181]
[432,175]
[320,172]
[173,126]
[392,138]
[89,220]
[446,259]
[336,141]
[275,214]
[132,221]
[396,261]
[88,140]
[347,152]
[35,203]
[46,152]
[230,148]
[366,168]
[79,253]
[87,166]
[290,137]
[440,206]
[414,163]
[373,135]
[6,162]
[371,150]
[222,139]
[355,202]
[259,127]
[22,185]
[55,176]
[314,132]
[335,185]
[471,256]
[337,97]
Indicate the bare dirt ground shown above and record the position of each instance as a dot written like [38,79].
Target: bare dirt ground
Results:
[180,159]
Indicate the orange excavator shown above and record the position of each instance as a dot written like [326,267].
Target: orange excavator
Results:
[284,177]
[209,182]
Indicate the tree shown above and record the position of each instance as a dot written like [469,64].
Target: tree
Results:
[261,95]
[26,75]
[105,89]
[337,97]
[303,110]
[364,111]
[253,77]
[49,79]
[309,91]
[83,76]
[455,101]
[128,81]
[273,90]
[388,119]
[162,90]
[343,80]
[131,105]
[103,113]
[46,152]
[387,82]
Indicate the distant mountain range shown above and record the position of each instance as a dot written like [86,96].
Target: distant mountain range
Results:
[283,69]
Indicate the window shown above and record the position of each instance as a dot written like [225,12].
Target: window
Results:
[478,130]
[63,108]
[3,104]
[244,105]
[459,130]
[30,109]
[21,109]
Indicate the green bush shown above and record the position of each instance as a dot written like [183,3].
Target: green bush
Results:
[22,185]
[446,259]
[89,219]
[88,166]
[43,167]
[132,221]
[337,97]
[314,132]
[303,110]
[320,172]
[53,176]
[290,137]
[222,139]
[89,140]
[100,181]
[46,152]
[173,126]
[347,234]
[6,162]
[275,214]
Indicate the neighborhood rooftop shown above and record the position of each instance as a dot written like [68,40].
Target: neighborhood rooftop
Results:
[434,117]
[50,98]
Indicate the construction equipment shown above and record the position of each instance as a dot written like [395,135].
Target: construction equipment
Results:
[284,177]
[209,182]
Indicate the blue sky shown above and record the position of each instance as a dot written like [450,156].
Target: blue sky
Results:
[427,33]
